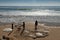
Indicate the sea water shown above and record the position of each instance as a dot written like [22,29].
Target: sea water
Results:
[9,14]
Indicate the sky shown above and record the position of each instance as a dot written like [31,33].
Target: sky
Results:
[29,2]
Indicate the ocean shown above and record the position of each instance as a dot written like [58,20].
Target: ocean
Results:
[50,14]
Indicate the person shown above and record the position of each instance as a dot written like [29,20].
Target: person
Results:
[36,23]
[23,28]
[12,25]
[23,25]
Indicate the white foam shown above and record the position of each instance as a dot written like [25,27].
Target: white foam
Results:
[34,13]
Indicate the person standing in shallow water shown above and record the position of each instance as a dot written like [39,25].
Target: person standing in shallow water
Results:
[36,23]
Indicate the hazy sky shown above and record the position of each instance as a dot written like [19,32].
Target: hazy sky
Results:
[29,2]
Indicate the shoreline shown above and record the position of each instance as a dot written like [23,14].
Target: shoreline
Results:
[45,23]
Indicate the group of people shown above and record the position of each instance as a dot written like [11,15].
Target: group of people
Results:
[36,24]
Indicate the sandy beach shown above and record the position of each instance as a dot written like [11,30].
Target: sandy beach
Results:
[54,33]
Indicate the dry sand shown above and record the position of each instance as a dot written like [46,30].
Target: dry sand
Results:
[54,33]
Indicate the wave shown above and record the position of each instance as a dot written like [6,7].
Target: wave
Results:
[31,13]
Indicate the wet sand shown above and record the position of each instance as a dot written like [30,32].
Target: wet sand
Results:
[54,33]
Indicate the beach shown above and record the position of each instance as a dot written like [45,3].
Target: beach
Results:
[53,34]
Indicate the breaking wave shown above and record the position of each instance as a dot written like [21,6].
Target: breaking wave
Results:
[32,13]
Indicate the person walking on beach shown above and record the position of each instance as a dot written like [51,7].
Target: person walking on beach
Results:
[23,28]
[23,25]
[36,23]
